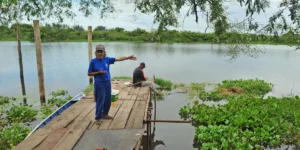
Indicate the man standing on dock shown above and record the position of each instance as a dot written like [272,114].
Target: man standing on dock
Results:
[139,79]
[99,68]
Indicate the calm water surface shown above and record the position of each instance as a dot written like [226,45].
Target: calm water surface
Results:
[65,67]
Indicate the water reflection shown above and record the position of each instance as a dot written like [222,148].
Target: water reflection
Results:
[65,65]
[155,143]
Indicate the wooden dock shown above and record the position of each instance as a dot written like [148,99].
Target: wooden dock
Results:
[75,128]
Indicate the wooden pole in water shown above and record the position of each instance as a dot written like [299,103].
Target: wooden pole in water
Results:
[39,60]
[21,64]
[90,48]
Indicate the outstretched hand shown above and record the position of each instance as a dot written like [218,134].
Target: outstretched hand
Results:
[132,57]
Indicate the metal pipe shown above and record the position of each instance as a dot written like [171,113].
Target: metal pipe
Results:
[170,121]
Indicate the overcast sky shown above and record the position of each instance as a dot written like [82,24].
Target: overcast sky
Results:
[129,19]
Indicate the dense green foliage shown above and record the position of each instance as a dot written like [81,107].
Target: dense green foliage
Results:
[59,98]
[88,89]
[13,118]
[11,136]
[122,78]
[231,88]
[247,121]
[16,10]
[59,33]
[21,114]
[216,17]
[5,100]
[164,84]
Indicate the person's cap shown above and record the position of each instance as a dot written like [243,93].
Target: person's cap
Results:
[142,63]
[100,48]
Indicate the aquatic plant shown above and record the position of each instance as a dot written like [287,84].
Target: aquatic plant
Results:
[59,98]
[46,110]
[11,136]
[122,78]
[228,89]
[163,83]
[246,123]
[5,100]
[88,89]
[21,114]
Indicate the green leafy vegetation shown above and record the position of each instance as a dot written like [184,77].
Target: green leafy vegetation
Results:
[46,110]
[21,114]
[164,84]
[13,135]
[15,117]
[122,78]
[88,89]
[59,98]
[56,32]
[232,88]
[247,121]
[5,100]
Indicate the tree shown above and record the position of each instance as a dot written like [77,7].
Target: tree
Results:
[13,11]
[100,28]
[166,12]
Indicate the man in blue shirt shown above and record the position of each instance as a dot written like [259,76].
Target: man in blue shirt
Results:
[99,68]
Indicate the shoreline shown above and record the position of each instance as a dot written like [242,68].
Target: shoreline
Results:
[79,41]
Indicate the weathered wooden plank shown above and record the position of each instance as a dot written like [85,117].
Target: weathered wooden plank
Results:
[82,115]
[106,122]
[131,118]
[141,93]
[68,115]
[72,136]
[129,95]
[139,117]
[122,94]
[136,118]
[117,85]
[34,140]
[91,116]
[52,139]
[147,105]
[95,126]
[135,92]
[139,98]
[144,92]
[120,119]
[112,112]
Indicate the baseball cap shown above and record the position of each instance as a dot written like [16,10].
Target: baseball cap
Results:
[142,63]
[100,47]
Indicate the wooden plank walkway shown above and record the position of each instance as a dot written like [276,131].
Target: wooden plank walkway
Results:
[65,132]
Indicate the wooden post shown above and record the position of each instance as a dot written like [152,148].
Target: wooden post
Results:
[39,60]
[21,65]
[90,48]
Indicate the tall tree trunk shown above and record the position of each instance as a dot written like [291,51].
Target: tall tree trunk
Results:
[21,65]
[90,48]
[39,60]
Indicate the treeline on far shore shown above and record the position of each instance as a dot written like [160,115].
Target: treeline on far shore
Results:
[65,33]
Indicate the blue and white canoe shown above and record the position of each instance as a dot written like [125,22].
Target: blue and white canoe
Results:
[57,112]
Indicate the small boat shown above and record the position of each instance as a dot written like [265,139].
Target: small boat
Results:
[57,112]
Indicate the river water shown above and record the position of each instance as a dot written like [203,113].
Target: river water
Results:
[65,67]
